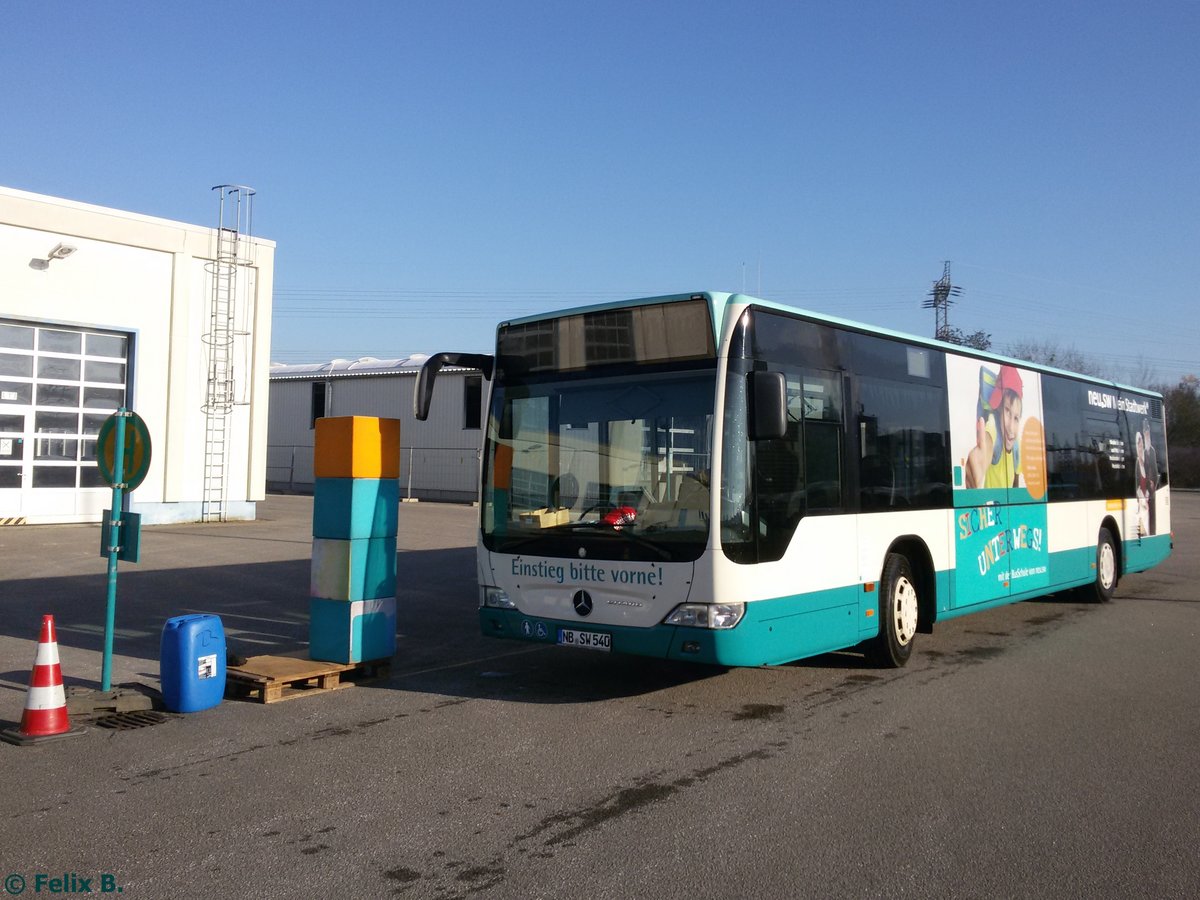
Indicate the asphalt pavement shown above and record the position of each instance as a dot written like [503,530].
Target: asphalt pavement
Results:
[1044,749]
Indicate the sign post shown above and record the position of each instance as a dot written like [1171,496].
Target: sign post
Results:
[123,456]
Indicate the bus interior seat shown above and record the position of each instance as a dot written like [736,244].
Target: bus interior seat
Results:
[687,505]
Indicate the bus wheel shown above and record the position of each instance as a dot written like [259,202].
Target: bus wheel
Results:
[898,605]
[1105,585]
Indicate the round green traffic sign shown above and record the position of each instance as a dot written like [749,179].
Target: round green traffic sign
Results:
[137,450]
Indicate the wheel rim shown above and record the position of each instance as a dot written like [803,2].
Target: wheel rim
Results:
[904,607]
[1108,566]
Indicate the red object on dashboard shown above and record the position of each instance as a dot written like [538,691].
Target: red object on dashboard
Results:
[622,515]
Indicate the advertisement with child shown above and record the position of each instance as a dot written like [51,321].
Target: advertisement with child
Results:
[997,442]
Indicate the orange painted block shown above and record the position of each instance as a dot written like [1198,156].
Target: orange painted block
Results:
[357,447]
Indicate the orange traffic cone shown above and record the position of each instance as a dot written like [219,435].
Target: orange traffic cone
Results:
[45,715]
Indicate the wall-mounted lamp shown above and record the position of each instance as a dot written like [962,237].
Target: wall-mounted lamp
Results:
[60,251]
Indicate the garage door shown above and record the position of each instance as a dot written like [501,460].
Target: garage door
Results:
[57,386]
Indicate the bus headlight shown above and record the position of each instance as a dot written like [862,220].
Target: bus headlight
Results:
[706,615]
[495,597]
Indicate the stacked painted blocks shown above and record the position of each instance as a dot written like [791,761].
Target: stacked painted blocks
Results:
[352,606]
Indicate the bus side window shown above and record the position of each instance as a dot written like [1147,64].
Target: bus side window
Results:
[823,441]
[1063,474]
[779,479]
[902,442]
[1109,452]
[1072,460]
[1158,437]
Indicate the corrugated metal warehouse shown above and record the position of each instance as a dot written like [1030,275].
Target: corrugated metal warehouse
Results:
[102,308]
[439,458]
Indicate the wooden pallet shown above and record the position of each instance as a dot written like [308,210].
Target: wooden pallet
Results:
[270,679]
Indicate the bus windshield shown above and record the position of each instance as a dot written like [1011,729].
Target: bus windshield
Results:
[601,467]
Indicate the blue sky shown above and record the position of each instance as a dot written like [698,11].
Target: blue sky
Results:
[429,169]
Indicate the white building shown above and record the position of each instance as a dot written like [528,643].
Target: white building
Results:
[439,458]
[101,308]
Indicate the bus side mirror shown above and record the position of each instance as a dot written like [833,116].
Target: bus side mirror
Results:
[423,392]
[768,406]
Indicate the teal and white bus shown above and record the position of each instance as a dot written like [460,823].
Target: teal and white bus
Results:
[716,478]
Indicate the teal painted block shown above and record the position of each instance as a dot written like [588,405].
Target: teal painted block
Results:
[355,508]
[363,569]
[351,632]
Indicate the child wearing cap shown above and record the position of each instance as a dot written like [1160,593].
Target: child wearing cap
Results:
[993,461]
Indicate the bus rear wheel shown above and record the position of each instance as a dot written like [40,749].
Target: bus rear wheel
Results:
[898,607]
[1102,589]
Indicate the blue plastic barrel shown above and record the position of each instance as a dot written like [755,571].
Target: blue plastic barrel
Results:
[192,663]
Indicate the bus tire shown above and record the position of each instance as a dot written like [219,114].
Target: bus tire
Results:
[898,607]
[1105,585]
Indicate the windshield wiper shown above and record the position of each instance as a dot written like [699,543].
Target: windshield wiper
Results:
[512,546]
[625,532]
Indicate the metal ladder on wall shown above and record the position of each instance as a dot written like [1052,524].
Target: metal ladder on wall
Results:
[234,222]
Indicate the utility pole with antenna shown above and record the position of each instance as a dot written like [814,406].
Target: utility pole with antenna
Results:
[940,298]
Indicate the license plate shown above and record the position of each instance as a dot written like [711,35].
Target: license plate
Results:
[586,640]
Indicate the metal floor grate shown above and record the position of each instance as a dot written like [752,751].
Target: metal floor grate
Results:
[125,721]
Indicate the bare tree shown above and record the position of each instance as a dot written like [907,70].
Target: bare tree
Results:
[1049,353]
[1183,430]
[1144,375]
[980,340]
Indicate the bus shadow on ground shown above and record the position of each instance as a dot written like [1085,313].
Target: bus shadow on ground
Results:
[553,675]
[841,659]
